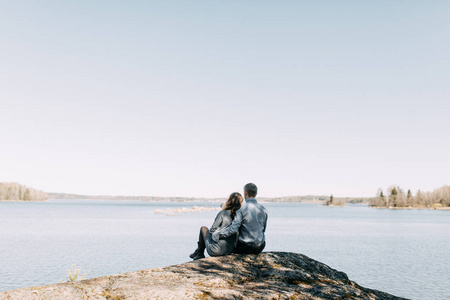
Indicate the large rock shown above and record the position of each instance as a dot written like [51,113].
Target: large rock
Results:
[271,275]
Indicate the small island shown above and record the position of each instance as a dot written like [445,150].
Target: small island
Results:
[334,201]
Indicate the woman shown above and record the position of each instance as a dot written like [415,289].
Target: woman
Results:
[223,219]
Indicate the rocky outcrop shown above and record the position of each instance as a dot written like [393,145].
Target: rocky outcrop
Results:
[271,275]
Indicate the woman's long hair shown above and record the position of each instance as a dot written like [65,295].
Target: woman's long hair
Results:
[233,204]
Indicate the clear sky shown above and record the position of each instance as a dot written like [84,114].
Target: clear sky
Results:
[197,98]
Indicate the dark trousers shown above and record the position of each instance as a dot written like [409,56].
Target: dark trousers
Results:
[242,248]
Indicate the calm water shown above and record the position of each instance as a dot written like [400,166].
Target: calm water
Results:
[404,252]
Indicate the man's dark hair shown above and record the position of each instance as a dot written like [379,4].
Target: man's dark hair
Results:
[251,189]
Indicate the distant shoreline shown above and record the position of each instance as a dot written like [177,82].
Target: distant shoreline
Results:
[25,200]
[188,200]
[411,208]
[214,200]
[287,199]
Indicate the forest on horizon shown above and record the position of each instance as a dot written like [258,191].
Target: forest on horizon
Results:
[15,191]
[396,197]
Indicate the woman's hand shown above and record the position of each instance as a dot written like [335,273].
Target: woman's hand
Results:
[215,236]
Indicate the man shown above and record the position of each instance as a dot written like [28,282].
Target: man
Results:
[250,221]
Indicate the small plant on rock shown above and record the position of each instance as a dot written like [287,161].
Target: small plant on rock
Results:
[73,274]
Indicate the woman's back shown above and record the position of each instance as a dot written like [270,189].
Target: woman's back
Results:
[223,219]
[225,246]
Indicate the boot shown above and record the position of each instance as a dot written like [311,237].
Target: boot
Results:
[197,251]
[200,255]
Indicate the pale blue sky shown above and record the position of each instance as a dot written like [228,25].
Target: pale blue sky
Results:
[197,98]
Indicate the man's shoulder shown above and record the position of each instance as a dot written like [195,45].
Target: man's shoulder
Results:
[261,207]
[254,202]
[247,204]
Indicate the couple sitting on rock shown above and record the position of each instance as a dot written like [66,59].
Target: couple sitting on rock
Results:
[238,228]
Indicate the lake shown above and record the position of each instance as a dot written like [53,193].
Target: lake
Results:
[403,252]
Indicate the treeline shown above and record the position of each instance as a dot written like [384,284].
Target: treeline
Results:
[15,191]
[293,199]
[287,199]
[65,196]
[396,197]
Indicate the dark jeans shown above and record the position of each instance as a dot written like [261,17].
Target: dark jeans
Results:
[242,248]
